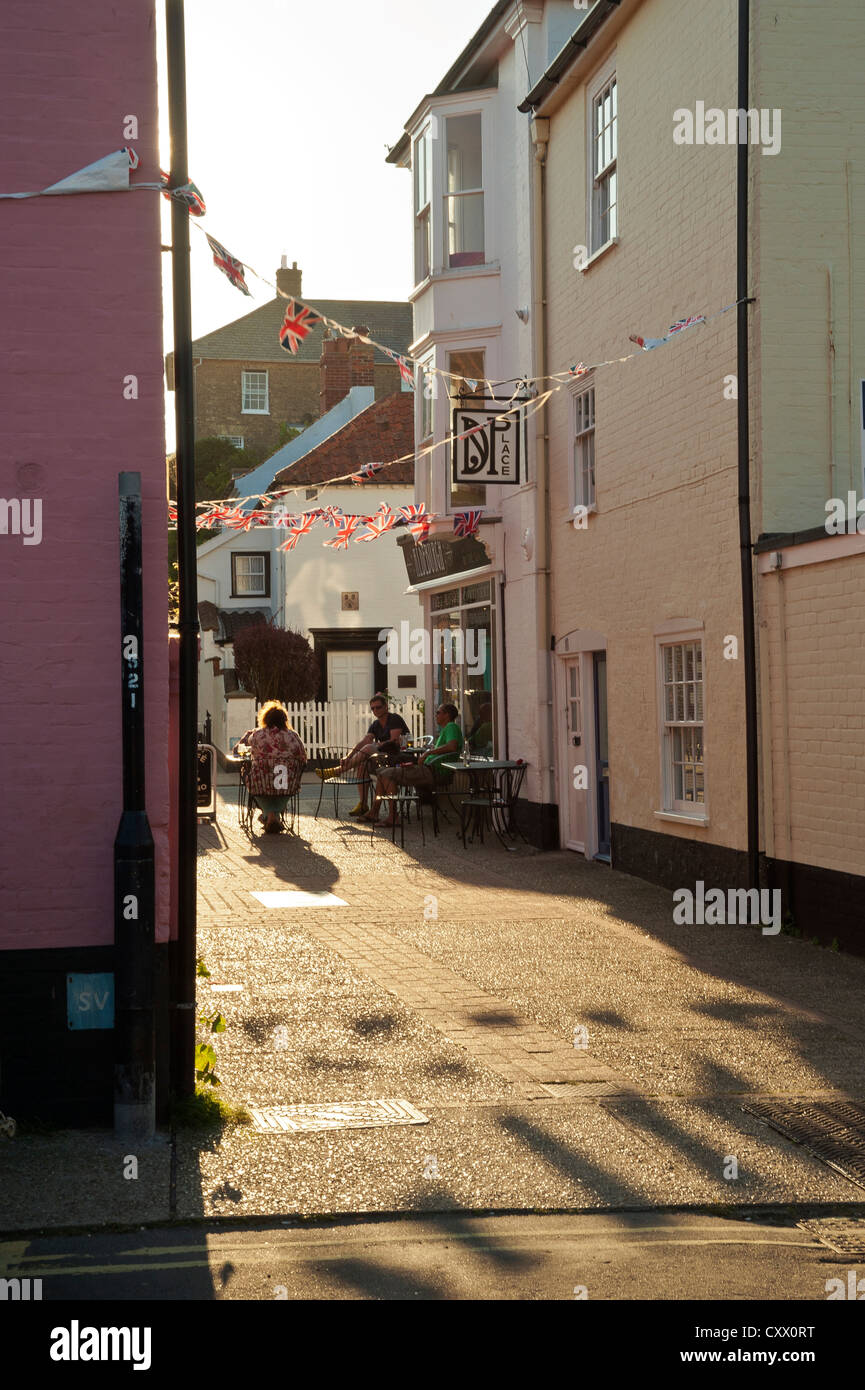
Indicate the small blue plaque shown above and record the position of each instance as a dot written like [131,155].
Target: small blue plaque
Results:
[90,1001]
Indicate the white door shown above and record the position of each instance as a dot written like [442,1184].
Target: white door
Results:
[573,772]
[350,675]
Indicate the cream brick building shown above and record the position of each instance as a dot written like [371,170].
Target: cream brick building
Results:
[647,610]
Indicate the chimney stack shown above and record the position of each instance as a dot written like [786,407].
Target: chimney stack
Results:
[345,362]
[289,281]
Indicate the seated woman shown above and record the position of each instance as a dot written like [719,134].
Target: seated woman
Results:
[429,770]
[278,758]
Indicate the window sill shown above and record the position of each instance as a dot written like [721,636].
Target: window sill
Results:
[254,412]
[596,256]
[681,818]
[455,273]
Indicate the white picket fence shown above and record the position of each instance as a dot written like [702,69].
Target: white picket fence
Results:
[340,723]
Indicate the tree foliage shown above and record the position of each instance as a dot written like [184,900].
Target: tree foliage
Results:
[276,663]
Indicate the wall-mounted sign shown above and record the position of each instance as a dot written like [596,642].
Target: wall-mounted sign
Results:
[493,453]
[90,1001]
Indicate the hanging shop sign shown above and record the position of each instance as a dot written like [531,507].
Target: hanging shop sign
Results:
[491,446]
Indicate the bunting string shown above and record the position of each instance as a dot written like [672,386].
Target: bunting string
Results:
[111,174]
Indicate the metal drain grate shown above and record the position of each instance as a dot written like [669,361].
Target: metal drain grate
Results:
[844,1237]
[831,1130]
[355,1114]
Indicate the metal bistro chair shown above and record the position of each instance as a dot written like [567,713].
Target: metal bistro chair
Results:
[402,801]
[352,777]
[247,803]
[497,800]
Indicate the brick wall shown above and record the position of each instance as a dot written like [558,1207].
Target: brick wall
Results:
[663,544]
[812,633]
[65,433]
[294,392]
[809,230]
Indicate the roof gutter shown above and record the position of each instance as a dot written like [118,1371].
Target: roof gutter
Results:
[575,46]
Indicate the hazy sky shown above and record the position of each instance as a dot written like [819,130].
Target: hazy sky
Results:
[291,108]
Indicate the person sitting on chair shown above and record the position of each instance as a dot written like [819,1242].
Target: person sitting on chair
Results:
[278,757]
[480,735]
[429,771]
[382,736]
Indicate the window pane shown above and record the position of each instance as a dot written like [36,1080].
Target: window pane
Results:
[464,229]
[464,153]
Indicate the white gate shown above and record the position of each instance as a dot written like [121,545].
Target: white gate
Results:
[342,723]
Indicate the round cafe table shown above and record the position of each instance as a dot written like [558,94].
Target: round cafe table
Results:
[484,791]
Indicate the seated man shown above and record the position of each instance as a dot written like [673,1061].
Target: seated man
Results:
[429,770]
[382,736]
[480,735]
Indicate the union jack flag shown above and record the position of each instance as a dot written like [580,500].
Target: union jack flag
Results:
[228,264]
[187,193]
[383,520]
[368,470]
[299,526]
[299,320]
[331,516]
[406,368]
[681,324]
[344,532]
[467,523]
[412,511]
[418,519]
[172,515]
[577,370]
[678,327]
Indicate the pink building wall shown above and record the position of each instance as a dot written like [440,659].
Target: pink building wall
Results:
[80,286]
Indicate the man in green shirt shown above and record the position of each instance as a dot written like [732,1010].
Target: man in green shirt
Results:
[429,770]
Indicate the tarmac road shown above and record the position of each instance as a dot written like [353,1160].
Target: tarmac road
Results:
[447,1256]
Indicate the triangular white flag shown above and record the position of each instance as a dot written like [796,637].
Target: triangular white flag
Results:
[108,175]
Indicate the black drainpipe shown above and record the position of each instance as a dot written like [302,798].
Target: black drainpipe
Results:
[748,626]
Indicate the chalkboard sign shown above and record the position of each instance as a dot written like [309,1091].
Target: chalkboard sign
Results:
[207,780]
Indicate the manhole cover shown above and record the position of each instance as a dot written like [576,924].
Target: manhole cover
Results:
[356,1114]
[831,1130]
[844,1237]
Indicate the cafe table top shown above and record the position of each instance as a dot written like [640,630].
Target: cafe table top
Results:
[480,764]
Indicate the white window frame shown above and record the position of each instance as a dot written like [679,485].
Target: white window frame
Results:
[581,495]
[245,386]
[672,805]
[597,178]
[235,439]
[423,219]
[238,591]
[463,192]
[427,388]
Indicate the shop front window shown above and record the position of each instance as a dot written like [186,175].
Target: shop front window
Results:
[463,656]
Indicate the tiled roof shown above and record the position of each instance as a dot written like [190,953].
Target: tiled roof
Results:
[384,431]
[233,620]
[255,337]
